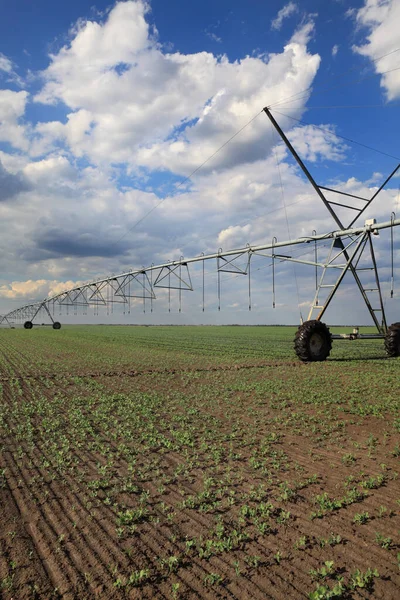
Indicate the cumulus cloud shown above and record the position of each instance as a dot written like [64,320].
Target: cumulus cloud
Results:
[11,184]
[234,236]
[381,19]
[285,12]
[41,288]
[335,49]
[135,114]
[57,241]
[133,103]
[12,109]
[318,143]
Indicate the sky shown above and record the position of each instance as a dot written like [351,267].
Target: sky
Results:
[114,123]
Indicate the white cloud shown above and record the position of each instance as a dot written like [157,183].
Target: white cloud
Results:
[58,166]
[60,236]
[12,109]
[7,70]
[285,12]
[13,162]
[335,49]
[318,143]
[40,288]
[350,12]
[234,236]
[139,105]
[5,64]
[11,184]
[382,18]
[239,98]
[133,108]
[303,34]
[214,37]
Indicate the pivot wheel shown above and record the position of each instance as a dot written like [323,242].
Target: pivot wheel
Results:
[56,325]
[28,325]
[392,340]
[313,341]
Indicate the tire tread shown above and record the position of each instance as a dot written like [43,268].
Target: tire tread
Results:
[301,340]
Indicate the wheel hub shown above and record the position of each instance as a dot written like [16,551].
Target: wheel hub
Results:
[316,343]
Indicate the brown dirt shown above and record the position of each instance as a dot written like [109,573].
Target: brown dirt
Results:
[58,540]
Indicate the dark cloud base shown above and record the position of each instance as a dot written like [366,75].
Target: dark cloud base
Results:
[11,185]
[55,243]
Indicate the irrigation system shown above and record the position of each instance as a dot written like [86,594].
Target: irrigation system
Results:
[348,244]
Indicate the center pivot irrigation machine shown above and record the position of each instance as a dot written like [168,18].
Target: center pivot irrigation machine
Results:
[313,340]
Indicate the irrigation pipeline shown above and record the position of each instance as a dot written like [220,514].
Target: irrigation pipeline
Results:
[76,296]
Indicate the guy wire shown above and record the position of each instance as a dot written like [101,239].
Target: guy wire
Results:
[287,222]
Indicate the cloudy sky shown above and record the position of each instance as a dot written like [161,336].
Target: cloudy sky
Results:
[108,111]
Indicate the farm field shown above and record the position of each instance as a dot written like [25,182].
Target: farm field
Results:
[196,462]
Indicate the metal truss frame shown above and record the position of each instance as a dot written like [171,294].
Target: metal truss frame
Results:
[108,290]
[329,204]
[348,245]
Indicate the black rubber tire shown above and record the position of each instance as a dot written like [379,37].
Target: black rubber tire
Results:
[392,340]
[56,325]
[313,341]
[28,325]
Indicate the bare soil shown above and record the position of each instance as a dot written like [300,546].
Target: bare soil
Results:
[61,534]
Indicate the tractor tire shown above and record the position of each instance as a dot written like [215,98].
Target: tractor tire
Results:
[313,341]
[392,340]
[28,325]
[56,325]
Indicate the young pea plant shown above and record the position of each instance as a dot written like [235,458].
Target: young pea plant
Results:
[384,542]
[359,579]
[361,518]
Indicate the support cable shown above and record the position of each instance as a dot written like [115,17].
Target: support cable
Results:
[287,225]
[144,291]
[219,283]
[274,240]
[151,288]
[203,280]
[346,106]
[130,229]
[180,285]
[393,216]
[169,289]
[303,93]
[249,269]
[304,97]
[316,267]
[328,132]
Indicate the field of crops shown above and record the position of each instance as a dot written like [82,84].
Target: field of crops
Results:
[196,462]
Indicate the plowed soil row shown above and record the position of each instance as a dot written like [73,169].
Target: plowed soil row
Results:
[191,483]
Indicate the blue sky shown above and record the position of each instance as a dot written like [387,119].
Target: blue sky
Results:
[105,108]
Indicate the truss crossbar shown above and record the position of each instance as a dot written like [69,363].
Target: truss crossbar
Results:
[163,279]
[145,290]
[95,292]
[229,266]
